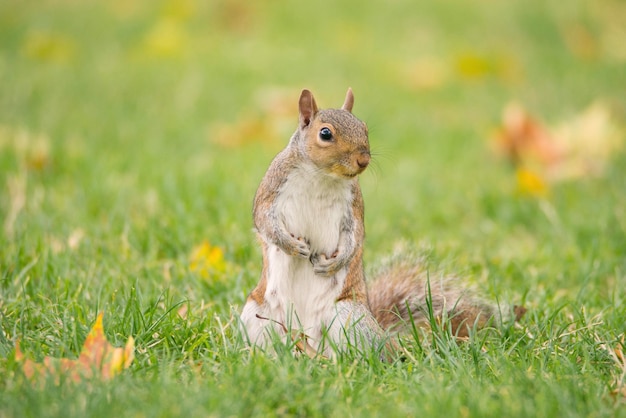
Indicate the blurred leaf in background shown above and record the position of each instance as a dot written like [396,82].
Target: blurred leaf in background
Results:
[47,46]
[581,146]
[208,261]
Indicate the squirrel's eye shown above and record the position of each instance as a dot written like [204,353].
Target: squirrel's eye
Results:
[326,134]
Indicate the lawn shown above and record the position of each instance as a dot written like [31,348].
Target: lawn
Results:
[133,135]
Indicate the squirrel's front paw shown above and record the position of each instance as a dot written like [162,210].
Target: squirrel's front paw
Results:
[298,247]
[326,266]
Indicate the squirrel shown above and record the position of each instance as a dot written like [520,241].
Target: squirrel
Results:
[309,218]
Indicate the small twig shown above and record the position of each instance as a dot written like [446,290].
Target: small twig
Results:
[299,338]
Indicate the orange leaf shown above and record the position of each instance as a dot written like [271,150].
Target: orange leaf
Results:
[98,359]
[523,139]
[578,147]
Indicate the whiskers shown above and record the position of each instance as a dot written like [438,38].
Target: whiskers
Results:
[374,169]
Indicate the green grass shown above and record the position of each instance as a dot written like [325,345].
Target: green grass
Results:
[113,169]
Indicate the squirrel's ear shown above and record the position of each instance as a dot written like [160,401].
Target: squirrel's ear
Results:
[349,102]
[308,108]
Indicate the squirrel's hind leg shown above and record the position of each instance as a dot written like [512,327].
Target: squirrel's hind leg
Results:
[353,327]
[255,324]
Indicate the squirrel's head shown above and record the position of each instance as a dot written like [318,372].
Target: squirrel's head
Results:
[334,139]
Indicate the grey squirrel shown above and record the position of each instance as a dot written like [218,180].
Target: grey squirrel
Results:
[308,214]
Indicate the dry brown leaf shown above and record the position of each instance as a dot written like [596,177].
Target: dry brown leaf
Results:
[98,359]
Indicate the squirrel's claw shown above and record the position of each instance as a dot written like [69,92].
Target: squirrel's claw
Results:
[303,252]
[298,247]
[326,266]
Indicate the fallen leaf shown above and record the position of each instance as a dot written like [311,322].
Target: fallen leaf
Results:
[48,47]
[475,66]
[524,140]
[589,139]
[207,260]
[167,38]
[271,119]
[98,359]
[469,65]
[530,183]
[179,10]
[578,147]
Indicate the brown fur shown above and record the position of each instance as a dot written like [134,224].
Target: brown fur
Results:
[346,156]
[400,295]
[355,287]
[341,157]
[403,295]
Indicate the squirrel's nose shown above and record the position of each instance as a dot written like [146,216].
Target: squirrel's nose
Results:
[363,159]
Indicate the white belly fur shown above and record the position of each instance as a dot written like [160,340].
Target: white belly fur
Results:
[295,296]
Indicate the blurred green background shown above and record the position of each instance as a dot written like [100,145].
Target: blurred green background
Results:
[131,132]
[156,118]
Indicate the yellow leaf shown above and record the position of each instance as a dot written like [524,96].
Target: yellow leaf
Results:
[48,47]
[473,66]
[98,359]
[207,260]
[167,38]
[581,146]
[179,10]
[530,183]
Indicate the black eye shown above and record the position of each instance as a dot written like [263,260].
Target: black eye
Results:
[326,134]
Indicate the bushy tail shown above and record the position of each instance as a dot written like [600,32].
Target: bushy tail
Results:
[403,289]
